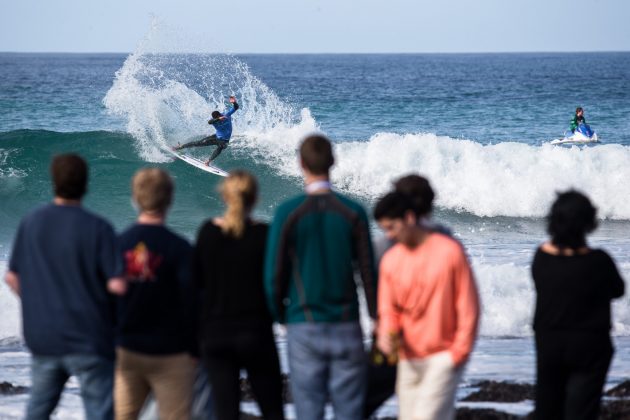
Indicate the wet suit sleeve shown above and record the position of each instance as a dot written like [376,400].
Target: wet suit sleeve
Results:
[233,110]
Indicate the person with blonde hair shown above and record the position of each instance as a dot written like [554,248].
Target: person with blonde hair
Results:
[236,326]
[156,329]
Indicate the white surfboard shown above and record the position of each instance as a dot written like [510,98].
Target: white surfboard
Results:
[197,163]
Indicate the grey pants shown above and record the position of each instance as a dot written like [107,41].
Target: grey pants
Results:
[208,141]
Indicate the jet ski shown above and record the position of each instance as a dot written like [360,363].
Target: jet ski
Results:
[583,134]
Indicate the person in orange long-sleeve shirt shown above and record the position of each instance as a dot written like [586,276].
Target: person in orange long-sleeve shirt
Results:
[428,310]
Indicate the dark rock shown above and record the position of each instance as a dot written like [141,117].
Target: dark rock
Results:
[492,391]
[466,413]
[621,390]
[615,410]
[248,395]
[9,389]
[489,391]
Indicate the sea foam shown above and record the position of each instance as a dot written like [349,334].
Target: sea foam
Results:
[505,179]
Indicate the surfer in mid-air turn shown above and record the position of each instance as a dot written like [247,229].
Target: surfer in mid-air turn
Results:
[222,123]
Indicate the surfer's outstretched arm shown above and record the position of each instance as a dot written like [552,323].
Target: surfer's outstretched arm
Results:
[235,107]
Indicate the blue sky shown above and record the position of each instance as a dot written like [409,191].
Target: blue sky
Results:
[320,26]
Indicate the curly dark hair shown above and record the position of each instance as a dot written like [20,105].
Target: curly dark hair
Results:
[571,218]
[419,191]
[393,205]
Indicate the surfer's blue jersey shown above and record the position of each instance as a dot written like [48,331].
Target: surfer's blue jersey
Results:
[224,127]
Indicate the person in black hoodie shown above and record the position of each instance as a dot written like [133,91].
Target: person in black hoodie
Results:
[574,287]
[236,326]
[156,327]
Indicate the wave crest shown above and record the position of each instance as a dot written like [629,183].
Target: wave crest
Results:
[506,179]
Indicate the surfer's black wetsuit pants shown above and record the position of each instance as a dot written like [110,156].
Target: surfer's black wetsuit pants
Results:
[208,141]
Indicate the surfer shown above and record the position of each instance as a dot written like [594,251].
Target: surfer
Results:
[578,125]
[578,119]
[581,133]
[222,123]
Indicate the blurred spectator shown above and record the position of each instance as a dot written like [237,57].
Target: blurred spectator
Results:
[428,310]
[62,260]
[236,327]
[315,242]
[574,287]
[156,334]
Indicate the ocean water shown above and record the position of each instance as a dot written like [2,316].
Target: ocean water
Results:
[476,125]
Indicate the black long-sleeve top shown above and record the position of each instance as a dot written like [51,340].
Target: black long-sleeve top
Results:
[574,292]
[230,273]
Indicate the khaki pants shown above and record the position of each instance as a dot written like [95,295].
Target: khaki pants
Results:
[170,378]
[426,387]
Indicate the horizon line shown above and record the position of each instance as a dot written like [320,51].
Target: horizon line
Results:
[331,53]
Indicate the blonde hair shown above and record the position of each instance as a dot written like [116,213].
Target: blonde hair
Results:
[152,190]
[239,191]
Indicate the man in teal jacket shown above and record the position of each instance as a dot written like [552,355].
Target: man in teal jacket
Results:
[315,242]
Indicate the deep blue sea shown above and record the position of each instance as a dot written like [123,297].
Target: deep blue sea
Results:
[478,125]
